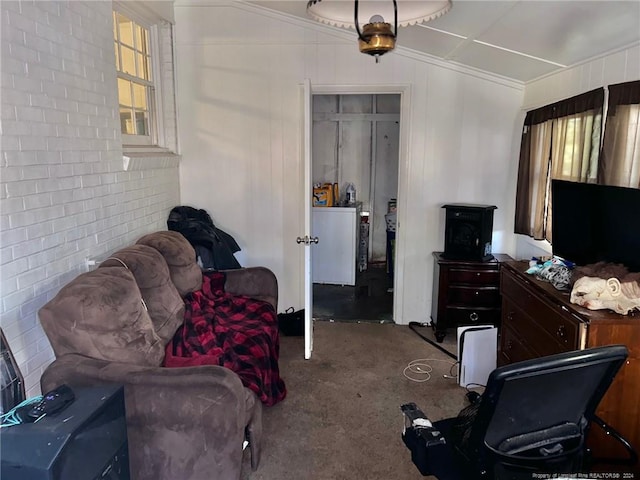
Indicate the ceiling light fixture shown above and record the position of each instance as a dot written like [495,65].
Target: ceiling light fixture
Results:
[376,37]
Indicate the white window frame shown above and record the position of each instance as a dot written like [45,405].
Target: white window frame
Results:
[156,136]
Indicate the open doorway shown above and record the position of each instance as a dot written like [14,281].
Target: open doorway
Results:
[356,139]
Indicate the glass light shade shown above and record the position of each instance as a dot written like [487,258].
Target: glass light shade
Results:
[339,13]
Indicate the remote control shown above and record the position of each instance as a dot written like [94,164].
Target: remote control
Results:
[53,402]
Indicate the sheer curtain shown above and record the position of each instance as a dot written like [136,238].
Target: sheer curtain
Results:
[560,141]
[620,157]
[533,177]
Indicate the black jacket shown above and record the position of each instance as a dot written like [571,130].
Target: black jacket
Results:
[214,247]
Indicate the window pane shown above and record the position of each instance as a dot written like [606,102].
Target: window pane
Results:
[118,66]
[128,60]
[125,121]
[125,26]
[139,97]
[141,123]
[141,39]
[142,67]
[147,68]
[124,92]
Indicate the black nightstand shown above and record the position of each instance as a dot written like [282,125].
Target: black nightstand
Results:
[465,292]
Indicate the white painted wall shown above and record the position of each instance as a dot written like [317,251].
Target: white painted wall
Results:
[618,67]
[63,193]
[239,96]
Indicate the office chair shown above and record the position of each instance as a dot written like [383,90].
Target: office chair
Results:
[533,417]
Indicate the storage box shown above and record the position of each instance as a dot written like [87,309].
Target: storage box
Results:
[323,196]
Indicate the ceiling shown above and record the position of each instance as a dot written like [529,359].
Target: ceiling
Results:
[517,39]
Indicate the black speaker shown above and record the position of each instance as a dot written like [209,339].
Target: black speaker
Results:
[85,441]
[468,231]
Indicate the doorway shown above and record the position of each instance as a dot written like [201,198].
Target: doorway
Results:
[356,141]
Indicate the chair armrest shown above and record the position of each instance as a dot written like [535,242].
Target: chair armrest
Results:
[255,282]
[613,433]
[186,423]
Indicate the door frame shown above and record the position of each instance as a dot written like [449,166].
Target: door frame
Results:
[403,168]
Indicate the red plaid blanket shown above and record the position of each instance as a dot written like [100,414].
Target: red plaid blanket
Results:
[236,332]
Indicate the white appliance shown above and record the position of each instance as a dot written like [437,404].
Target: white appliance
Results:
[333,258]
[477,354]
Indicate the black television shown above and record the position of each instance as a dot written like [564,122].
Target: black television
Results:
[85,441]
[592,223]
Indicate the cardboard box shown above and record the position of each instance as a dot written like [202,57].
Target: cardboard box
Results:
[324,196]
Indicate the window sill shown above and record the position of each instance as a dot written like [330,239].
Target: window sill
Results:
[148,158]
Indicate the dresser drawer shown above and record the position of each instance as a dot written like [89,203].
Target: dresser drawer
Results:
[536,339]
[474,277]
[470,316]
[474,296]
[553,319]
[512,349]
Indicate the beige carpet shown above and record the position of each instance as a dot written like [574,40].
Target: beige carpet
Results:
[341,419]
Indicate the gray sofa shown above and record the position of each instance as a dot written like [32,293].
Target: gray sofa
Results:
[111,325]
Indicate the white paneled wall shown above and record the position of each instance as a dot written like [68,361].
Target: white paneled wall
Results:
[622,66]
[64,194]
[239,92]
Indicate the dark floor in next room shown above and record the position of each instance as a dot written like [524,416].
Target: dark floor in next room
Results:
[371,299]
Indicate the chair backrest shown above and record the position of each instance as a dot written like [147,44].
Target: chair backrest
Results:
[541,394]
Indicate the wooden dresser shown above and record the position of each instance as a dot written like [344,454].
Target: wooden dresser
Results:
[538,320]
[465,292]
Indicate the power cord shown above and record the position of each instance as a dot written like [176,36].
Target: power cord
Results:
[472,396]
[420,371]
[412,326]
[13,416]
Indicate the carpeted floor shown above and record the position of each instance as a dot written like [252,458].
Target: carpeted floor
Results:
[341,419]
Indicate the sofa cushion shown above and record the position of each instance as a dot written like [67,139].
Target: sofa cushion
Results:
[164,304]
[100,314]
[180,256]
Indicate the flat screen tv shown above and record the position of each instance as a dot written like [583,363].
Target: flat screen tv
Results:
[592,223]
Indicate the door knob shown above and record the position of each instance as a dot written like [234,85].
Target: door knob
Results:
[307,240]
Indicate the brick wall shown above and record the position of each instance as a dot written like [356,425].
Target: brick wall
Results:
[64,196]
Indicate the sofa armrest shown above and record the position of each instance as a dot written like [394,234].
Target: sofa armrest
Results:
[255,282]
[186,423]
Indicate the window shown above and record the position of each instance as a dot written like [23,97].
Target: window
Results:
[559,141]
[136,88]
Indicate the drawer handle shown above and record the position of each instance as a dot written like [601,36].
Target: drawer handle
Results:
[477,274]
[510,316]
[509,345]
[474,317]
[477,292]
[561,332]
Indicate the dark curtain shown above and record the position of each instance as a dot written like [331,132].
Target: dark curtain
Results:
[620,157]
[536,160]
